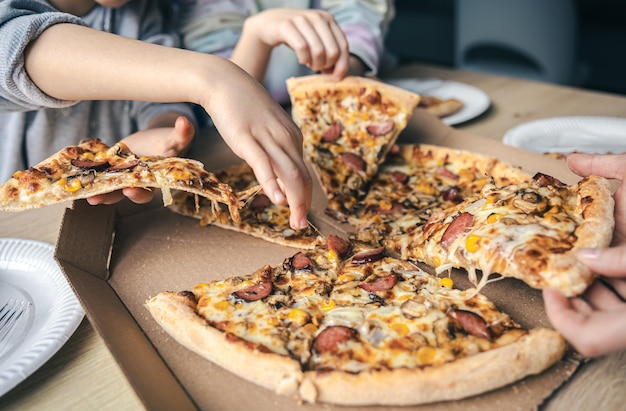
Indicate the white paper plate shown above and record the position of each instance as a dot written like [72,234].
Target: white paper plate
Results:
[475,101]
[28,271]
[595,135]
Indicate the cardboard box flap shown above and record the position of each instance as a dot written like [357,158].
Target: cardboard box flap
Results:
[85,234]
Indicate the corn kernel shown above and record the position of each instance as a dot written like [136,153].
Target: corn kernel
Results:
[310,328]
[426,354]
[332,255]
[87,155]
[472,243]
[385,205]
[400,328]
[491,199]
[327,304]
[553,210]
[466,174]
[203,302]
[446,282]
[426,188]
[73,185]
[365,116]
[183,175]
[370,143]
[273,321]
[436,261]
[298,316]
[222,305]
[344,278]
[493,218]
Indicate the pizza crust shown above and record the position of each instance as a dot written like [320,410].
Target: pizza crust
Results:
[531,354]
[300,86]
[492,369]
[176,313]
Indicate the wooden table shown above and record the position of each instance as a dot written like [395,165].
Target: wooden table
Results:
[84,375]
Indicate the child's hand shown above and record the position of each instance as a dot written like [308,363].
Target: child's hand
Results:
[595,323]
[314,35]
[259,131]
[161,141]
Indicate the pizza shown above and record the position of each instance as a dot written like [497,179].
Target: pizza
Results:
[347,324]
[348,127]
[92,168]
[531,231]
[259,217]
[440,107]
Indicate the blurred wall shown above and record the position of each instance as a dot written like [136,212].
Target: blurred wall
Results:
[424,31]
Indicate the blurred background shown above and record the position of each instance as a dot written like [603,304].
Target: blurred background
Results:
[580,43]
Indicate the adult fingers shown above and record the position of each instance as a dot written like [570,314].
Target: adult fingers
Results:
[601,297]
[609,166]
[609,262]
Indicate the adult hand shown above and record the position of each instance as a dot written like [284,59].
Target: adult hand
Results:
[595,323]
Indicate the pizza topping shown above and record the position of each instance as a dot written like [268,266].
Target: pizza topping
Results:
[333,132]
[546,180]
[254,292]
[380,283]
[399,177]
[338,245]
[461,224]
[445,172]
[452,193]
[369,256]
[90,165]
[471,323]
[332,336]
[260,202]
[127,165]
[380,129]
[353,161]
[301,262]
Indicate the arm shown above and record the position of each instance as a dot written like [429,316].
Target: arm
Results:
[255,127]
[595,323]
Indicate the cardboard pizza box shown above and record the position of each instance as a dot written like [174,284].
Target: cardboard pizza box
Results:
[117,257]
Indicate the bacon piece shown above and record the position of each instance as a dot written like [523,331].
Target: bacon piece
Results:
[380,129]
[300,261]
[472,323]
[369,256]
[338,245]
[547,180]
[380,284]
[259,202]
[458,226]
[331,336]
[90,165]
[399,177]
[353,161]
[124,166]
[445,172]
[333,132]
[254,292]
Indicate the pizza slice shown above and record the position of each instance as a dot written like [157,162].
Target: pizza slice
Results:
[346,324]
[92,168]
[348,127]
[259,217]
[530,231]
[440,107]
[417,180]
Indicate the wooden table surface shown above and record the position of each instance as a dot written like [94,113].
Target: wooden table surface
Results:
[84,375]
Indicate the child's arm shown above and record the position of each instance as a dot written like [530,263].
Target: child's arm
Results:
[255,127]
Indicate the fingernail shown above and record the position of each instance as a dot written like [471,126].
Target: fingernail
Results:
[304,223]
[588,254]
[279,197]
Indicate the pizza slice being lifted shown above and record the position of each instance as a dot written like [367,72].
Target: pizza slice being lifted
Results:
[531,231]
[92,168]
[259,217]
[348,127]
